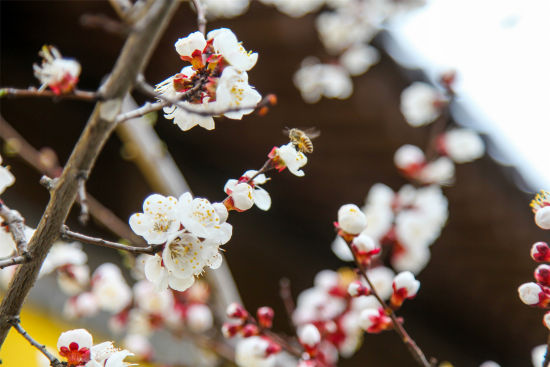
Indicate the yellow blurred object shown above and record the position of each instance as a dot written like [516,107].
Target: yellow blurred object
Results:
[43,327]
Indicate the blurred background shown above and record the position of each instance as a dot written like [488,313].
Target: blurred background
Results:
[467,310]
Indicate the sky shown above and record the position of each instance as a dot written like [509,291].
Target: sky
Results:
[501,50]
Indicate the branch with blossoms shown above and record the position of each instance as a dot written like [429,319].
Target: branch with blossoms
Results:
[537,294]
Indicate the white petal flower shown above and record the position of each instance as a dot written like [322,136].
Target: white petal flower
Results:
[187,45]
[351,219]
[295,8]
[61,254]
[233,91]
[226,43]
[6,177]
[75,345]
[359,58]
[463,145]
[542,217]
[292,159]
[73,279]
[338,30]
[489,364]
[419,104]
[58,73]
[407,281]
[341,249]
[151,300]
[82,305]
[413,260]
[199,217]
[382,278]
[241,193]
[441,172]
[182,117]
[315,80]
[529,293]
[112,293]
[260,197]
[158,221]
[537,355]
[309,335]
[225,8]
[408,157]
[199,318]
[251,352]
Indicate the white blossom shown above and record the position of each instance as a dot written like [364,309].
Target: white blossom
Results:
[258,195]
[529,293]
[200,218]
[6,177]
[225,8]
[73,279]
[199,318]
[251,352]
[542,217]
[61,254]
[58,73]
[537,355]
[291,159]
[82,305]
[187,45]
[233,91]
[309,335]
[110,289]
[106,355]
[381,278]
[295,8]
[441,172]
[351,219]
[151,300]
[359,58]
[406,280]
[158,221]
[75,345]
[419,104]
[409,157]
[463,145]
[226,44]
[315,80]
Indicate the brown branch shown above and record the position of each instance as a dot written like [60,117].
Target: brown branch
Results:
[132,60]
[33,92]
[103,22]
[15,322]
[70,235]
[286,296]
[34,158]
[409,342]
[148,89]
[14,260]
[16,225]
[141,111]
[201,16]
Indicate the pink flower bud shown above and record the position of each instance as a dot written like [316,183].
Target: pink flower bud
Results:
[229,330]
[374,320]
[542,274]
[356,289]
[250,330]
[265,317]
[309,335]
[533,294]
[404,286]
[540,252]
[236,311]
[273,348]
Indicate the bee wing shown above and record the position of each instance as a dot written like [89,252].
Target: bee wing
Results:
[286,131]
[312,132]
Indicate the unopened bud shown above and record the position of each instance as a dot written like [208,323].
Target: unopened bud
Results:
[249,330]
[540,252]
[265,317]
[236,311]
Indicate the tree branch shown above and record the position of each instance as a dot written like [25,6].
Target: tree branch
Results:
[201,16]
[33,92]
[70,235]
[415,351]
[131,62]
[16,225]
[16,324]
[33,157]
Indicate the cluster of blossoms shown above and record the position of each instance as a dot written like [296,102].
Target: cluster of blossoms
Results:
[76,347]
[537,293]
[57,73]
[346,28]
[342,308]
[256,348]
[216,80]
[422,104]
[404,223]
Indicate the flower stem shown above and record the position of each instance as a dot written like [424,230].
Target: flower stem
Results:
[15,323]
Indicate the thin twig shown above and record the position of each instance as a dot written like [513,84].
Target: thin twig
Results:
[103,22]
[16,225]
[279,339]
[16,324]
[148,107]
[398,327]
[70,235]
[14,260]
[148,89]
[33,92]
[201,16]
[286,296]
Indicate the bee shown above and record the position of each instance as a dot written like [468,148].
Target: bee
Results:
[302,139]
